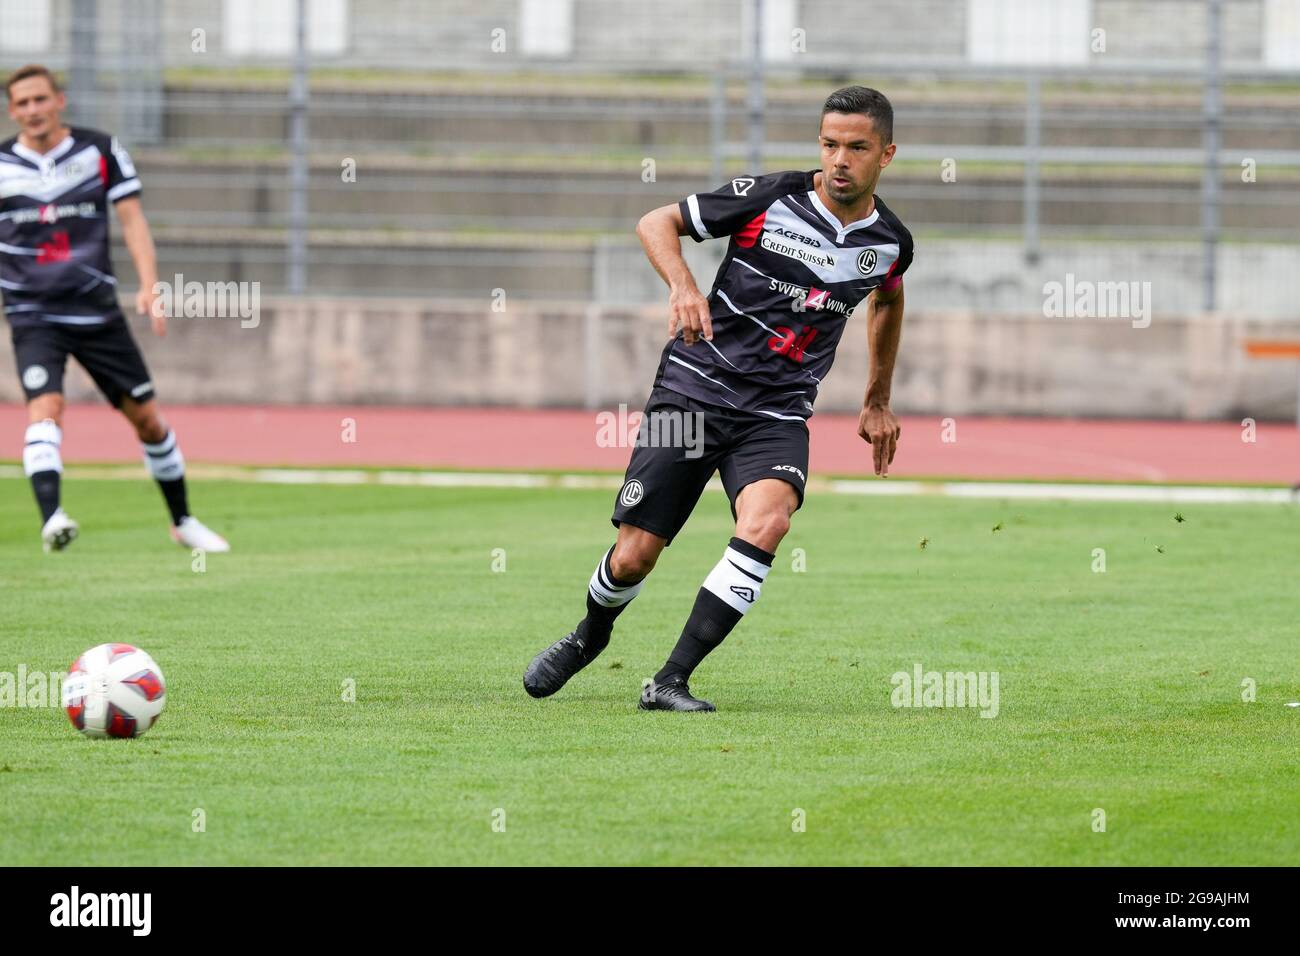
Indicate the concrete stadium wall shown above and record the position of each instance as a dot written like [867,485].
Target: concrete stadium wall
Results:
[1254,279]
[341,351]
[993,276]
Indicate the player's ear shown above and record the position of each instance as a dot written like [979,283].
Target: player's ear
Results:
[888,155]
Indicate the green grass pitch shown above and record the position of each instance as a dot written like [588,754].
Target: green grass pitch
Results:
[1120,691]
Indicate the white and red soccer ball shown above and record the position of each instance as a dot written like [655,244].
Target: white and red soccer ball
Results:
[114,690]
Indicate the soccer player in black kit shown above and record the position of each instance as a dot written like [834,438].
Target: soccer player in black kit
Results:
[60,296]
[805,249]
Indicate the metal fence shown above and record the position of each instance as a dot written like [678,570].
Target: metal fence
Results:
[363,145]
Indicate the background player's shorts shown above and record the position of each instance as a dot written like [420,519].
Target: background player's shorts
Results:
[108,352]
[665,479]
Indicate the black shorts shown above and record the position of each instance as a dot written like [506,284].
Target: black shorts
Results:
[671,464]
[108,352]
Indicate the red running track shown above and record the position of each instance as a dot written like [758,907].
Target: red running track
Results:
[567,440]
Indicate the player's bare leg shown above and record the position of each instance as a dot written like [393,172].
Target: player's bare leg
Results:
[615,582]
[47,407]
[43,463]
[162,456]
[763,510]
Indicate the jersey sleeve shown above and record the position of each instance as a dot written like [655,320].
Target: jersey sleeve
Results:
[894,278]
[121,178]
[728,208]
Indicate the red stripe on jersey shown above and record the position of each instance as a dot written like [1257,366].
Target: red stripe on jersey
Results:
[749,235]
[103,169]
[892,281]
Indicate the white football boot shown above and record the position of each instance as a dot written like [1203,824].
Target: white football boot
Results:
[193,533]
[59,532]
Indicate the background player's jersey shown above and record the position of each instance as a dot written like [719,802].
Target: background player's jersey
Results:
[54,261]
[792,276]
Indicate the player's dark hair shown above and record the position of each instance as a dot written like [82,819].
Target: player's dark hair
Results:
[26,73]
[868,102]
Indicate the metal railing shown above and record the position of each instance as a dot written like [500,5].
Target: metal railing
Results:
[494,142]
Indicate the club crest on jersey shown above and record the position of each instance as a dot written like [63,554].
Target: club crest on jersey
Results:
[631,494]
[867,262]
[741,185]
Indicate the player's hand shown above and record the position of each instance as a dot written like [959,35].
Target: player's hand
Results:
[148,303]
[690,313]
[879,428]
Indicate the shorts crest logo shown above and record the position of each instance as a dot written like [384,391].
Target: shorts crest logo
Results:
[867,262]
[34,377]
[741,185]
[632,493]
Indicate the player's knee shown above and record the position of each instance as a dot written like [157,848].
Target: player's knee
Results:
[149,425]
[151,430]
[633,560]
[764,528]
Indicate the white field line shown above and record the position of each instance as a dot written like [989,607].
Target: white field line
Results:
[1169,494]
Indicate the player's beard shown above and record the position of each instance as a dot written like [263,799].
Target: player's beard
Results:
[845,197]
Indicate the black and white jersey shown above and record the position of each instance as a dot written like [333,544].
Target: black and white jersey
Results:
[54,261]
[791,278]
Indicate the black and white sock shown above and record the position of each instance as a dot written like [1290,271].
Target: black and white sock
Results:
[607,596]
[167,465]
[731,589]
[44,465]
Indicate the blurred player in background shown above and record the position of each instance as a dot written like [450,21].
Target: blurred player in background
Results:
[60,295]
[805,249]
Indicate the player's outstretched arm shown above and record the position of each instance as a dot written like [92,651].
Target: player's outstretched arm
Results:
[877,424]
[139,242]
[660,232]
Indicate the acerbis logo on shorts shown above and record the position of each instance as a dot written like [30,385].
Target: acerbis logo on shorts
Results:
[632,493]
[790,468]
[34,377]
[867,262]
